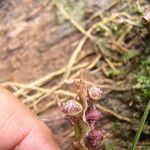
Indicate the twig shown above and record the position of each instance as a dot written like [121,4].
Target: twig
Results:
[67,16]
[74,57]
[112,87]
[110,64]
[50,91]
[45,92]
[65,93]
[24,86]
[88,33]
[121,38]
[112,5]
[93,64]
[48,77]
[120,117]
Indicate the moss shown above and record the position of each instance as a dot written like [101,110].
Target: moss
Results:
[143,77]
[131,54]
[110,147]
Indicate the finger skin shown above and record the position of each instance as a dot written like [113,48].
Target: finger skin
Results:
[20,129]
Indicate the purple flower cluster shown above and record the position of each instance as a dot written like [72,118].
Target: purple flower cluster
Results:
[92,116]
[83,114]
[95,136]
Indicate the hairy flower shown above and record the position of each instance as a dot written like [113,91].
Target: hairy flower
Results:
[71,107]
[92,116]
[95,93]
[95,136]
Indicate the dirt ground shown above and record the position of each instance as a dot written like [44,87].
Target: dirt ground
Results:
[33,44]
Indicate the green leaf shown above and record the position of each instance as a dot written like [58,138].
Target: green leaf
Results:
[141,125]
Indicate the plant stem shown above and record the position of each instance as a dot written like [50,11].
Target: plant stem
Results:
[141,125]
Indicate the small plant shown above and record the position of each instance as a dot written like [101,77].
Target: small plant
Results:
[83,115]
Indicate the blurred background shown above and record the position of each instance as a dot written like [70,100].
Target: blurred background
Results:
[44,44]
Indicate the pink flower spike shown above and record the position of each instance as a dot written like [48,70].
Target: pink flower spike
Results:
[95,136]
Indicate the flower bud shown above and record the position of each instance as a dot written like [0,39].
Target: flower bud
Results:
[93,116]
[95,93]
[95,136]
[71,107]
